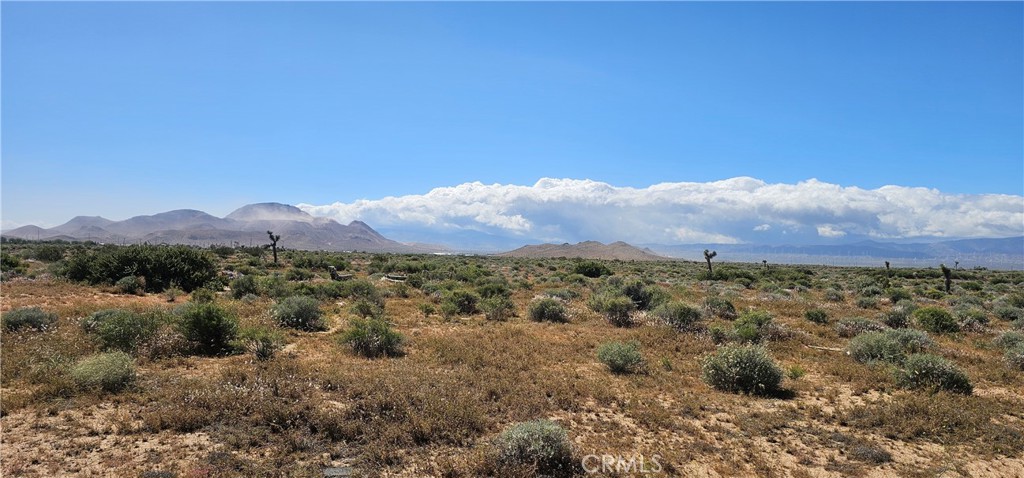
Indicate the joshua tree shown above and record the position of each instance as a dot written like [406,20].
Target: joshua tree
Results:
[273,243]
[708,255]
[956,265]
[888,272]
[764,262]
[948,275]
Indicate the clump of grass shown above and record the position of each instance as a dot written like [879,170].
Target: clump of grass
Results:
[621,357]
[678,315]
[933,373]
[300,312]
[547,310]
[110,372]
[263,343]
[542,446]
[746,369]
[373,337]
[935,320]
[28,318]
[1008,339]
[1014,356]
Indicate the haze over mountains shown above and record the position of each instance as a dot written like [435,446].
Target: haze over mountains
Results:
[300,230]
[247,225]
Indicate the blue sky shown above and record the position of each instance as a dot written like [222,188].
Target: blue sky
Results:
[119,109]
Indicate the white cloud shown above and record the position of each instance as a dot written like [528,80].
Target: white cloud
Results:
[726,211]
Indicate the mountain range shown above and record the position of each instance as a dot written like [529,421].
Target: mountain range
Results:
[247,225]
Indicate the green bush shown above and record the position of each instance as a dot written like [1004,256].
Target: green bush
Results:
[209,328]
[203,296]
[373,338]
[818,316]
[644,296]
[28,317]
[592,269]
[162,266]
[367,310]
[1015,356]
[498,308]
[263,343]
[621,357]
[867,302]
[1009,339]
[131,285]
[935,320]
[931,372]
[746,369]
[299,312]
[854,326]
[547,310]
[1009,313]
[678,315]
[721,307]
[542,445]
[750,325]
[244,285]
[890,346]
[898,294]
[109,372]
[123,330]
[462,301]
[834,295]
[615,308]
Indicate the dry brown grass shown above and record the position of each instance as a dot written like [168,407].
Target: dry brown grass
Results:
[436,410]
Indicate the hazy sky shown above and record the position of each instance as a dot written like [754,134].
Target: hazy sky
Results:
[120,109]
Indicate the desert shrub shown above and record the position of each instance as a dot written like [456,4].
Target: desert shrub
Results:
[750,325]
[592,269]
[678,315]
[887,346]
[366,309]
[644,296]
[547,310]
[49,253]
[867,302]
[970,318]
[186,267]
[493,287]
[462,301]
[1014,356]
[109,372]
[262,342]
[542,445]
[896,318]
[299,312]
[209,328]
[870,291]
[122,330]
[898,294]
[747,369]
[931,372]
[1009,313]
[244,285]
[621,357]
[131,285]
[1009,339]
[834,295]
[721,307]
[373,338]
[275,286]
[498,308]
[28,317]
[853,326]
[818,316]
[173,293]
[297,274]
[203,296]
[615,308]
[563,294]
[935,320]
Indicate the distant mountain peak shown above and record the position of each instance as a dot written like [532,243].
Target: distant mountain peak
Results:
[586,250]
[269,211]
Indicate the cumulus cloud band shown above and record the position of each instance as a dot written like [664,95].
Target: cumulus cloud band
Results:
[734,210]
